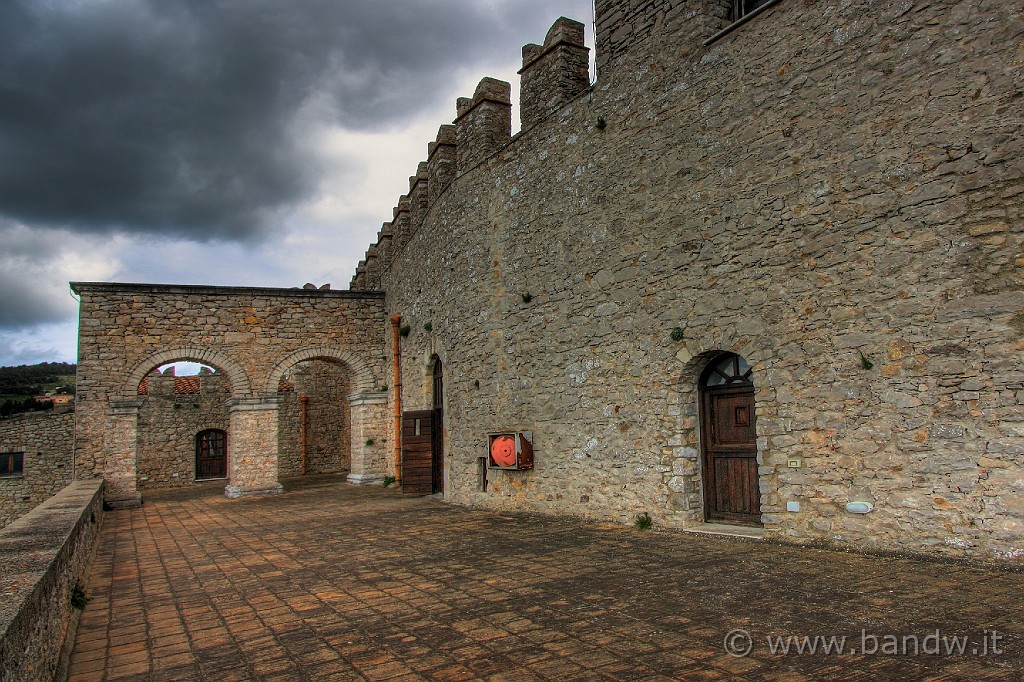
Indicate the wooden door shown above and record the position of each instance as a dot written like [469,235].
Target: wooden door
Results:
[417,452]
[731,490]
[211,454]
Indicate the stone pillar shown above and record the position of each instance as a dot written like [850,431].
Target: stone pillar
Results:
[121,464]
[252,447]
[370,451]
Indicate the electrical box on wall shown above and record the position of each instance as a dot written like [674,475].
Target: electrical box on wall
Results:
[511,450]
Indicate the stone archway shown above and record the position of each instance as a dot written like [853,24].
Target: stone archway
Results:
[367,408]
[240,385]
[685,483]
[122,439]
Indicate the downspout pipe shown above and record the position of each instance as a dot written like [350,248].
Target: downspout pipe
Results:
[396,349]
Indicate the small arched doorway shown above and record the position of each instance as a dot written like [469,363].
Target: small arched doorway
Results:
[437,432]
[728,442]
[211,454]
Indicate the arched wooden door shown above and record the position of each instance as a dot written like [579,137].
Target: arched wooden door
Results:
[728,439]
[211,454]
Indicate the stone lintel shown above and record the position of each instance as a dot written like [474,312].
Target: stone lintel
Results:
[126,406]
[368,398]
[234,492]
[270,402]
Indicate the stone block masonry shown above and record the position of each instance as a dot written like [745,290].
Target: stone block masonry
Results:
[832,191]
[169,419]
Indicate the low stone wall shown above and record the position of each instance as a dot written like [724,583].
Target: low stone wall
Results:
[43,556]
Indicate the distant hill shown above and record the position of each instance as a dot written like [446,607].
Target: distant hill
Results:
[18,385]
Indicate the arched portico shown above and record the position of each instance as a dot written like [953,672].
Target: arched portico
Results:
[249,335]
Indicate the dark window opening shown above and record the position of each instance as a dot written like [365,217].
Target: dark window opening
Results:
[12,463]
[741,8]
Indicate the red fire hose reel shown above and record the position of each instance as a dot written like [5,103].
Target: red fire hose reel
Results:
[511,450]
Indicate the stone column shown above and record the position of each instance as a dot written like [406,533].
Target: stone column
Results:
[120,468]
[252,447]
[370,451]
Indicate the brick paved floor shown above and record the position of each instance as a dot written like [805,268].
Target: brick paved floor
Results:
[337,582]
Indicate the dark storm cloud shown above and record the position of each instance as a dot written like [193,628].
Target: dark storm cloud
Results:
[29,294]
[179,117]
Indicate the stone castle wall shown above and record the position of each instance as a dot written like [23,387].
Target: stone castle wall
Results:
[832,191]
[47,441]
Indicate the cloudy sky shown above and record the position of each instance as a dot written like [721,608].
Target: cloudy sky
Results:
[230,142]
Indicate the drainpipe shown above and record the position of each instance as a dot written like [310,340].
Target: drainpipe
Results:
[396,321]
[304,421]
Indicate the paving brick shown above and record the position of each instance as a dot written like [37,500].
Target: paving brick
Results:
[603,602]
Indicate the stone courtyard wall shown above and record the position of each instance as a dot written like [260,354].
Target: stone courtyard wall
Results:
[252,337]
[833,191]
[47,441]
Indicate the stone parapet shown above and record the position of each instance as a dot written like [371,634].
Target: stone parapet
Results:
[419,193]
[44,556]
[441,162]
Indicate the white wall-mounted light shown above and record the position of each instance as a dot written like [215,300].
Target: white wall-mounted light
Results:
[859,507]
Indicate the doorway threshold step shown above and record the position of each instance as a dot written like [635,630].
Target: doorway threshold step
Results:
[727,529]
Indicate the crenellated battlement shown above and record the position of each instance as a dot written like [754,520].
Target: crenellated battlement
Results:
[484,123]
[553,73]
[441,162]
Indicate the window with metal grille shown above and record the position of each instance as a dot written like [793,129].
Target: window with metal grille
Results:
[12,464]
[741,8]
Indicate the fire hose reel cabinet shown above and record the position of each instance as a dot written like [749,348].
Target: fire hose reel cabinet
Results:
[511,450]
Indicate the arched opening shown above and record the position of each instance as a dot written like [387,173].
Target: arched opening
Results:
[437,444]
[179,402]
[729,442]
[211,454]
[314,418]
